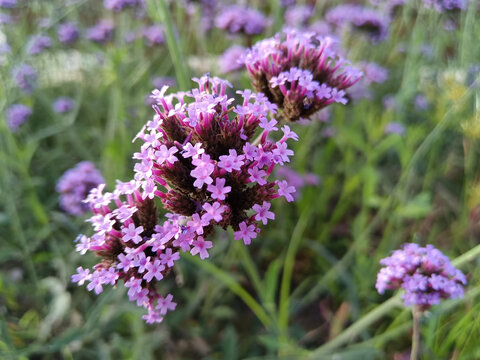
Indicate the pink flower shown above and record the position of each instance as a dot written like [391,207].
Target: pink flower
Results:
[246,233]
[154,270]
[262,212]
[231,162]
[200,246]
[213,212]
[132,233]
[168,258]
[219,189]
[285,190]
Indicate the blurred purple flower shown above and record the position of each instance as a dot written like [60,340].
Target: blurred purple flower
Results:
[5,19]
[25,77]
[67,33]
[101,32]
[75,184]
[329,132]
[446,5]
[370,21]
[63,105]
[297,180]
[426,275]
[16,115]
[389,102]
[395,128]
[421,102]
[320,27]
[241,19]
[8,4]
[38,43]
[161,81]
[298,16]
[154,35]
[230,60]
[119,5]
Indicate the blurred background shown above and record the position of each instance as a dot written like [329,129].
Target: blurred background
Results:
[398,163]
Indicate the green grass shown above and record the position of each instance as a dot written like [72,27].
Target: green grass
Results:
[305,288]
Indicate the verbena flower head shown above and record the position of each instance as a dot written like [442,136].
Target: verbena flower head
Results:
[424,273]
[230,60]
[63,105]
[67,33]
[25,77]
[241,19]
[16,115]
[154,35]
[101,32]
[38,43]
[372,22]
[198,158]
[300,72]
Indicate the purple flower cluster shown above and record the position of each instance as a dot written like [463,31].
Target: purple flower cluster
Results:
[74,186]
[426,275]
[63,105]
[395,128]
[101,32]
[67,33]
[25,77]
[16,115]
[370,21]
[230,60]
[197,157]
[300,72]
[241,19]
[38,43]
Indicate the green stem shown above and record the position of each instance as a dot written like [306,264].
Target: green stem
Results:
[158,10]
[234,287]
[287,274]
[416,313]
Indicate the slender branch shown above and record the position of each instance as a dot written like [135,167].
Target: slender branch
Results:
[417,314]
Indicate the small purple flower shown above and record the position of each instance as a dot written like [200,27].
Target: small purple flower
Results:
[75,184]
[424,273]
[395,128]
[101,32]
[17,114]
[161,81]
[63,105]
[25,77]
[38,43]
[67,33]
[230,60]
[240,19]
[154,35]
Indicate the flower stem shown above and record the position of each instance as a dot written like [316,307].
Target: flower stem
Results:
[417,313]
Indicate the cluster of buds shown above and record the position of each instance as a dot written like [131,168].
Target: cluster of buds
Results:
[300,72]
[199,159]
[426,275]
